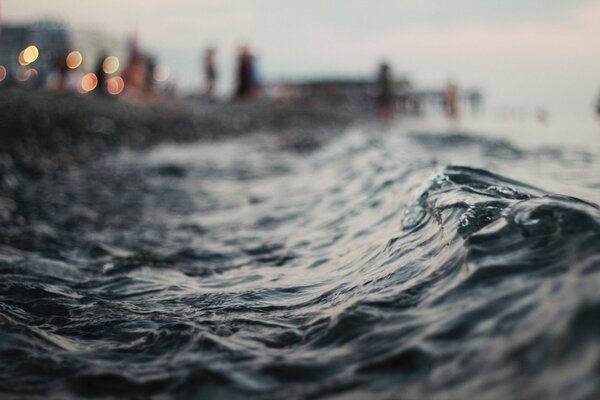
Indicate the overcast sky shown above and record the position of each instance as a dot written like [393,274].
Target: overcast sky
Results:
[521,52]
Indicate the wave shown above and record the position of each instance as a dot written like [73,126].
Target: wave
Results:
[370,270]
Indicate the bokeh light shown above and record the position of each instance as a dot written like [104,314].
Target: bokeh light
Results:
[22,58]
[31,73]
[115,85]
[23,74]
[30,54]
[20,74]
[74,59]
[161,73]
[3,73]
[110,65]
[88,83]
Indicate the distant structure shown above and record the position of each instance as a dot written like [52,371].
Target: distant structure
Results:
[248,85]
[51,36]
[53,41]
[355,93]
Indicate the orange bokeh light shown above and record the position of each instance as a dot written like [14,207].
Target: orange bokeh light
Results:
[88,83]
[22,58]
[3,73]
[24,73]
[110,65]
[115,85]
[31,73]
[30,54]
[74,59]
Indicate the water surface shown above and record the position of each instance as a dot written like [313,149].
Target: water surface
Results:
[398,263]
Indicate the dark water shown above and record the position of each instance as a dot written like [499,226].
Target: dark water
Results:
[387,265]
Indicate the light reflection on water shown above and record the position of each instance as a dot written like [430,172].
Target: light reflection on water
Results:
[385,262]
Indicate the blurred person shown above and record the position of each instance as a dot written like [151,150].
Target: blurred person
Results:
[59,81]
[62,78]
[101,89]
[135,76]
[245,75]
[384,100]
[451,100]
[210,71]
[138,74]
[598,106]
[150,76]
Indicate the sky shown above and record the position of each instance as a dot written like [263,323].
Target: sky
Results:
[521,53]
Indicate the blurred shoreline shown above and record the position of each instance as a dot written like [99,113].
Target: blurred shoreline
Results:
[43,130]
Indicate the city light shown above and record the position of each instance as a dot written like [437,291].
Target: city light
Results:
[3,73]
[110,65]
[88,83]
[115,85]
[20,74]
[161,73]
[31,73]
[23,74]
[74,59]
[30,54]
[22,58]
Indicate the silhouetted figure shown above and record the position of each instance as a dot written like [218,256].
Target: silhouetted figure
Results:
[150,72]
[246,88]
[210,71]
[598,106]
[135,76]
[60,65]
[451,100]
[384,100]
[101,89]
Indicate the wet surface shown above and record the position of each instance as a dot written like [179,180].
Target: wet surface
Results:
[382,265]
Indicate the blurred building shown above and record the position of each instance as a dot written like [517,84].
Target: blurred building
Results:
[54,40]
[50,36]
[340,89]
[13,39]
[94,43]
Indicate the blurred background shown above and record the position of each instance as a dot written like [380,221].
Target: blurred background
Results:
[528,59]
